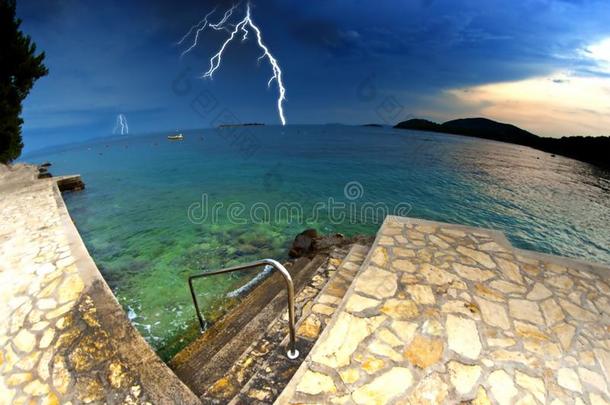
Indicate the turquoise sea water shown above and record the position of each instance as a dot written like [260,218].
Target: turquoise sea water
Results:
[143,217]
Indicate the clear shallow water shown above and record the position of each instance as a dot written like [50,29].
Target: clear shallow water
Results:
[134,214]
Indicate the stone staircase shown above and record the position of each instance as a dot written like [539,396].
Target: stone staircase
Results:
[275,371]
[242,358]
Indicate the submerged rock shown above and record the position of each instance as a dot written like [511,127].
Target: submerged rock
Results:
[303,243]
[310,243]
[246,250]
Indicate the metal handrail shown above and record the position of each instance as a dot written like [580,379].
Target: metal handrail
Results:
[292,352]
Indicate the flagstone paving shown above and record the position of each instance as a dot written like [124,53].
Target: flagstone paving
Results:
[442,313]
[63,337]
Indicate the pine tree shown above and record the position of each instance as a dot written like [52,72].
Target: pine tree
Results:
[19,69]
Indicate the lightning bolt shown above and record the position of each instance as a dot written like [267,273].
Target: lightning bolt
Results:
[220,24]
[121,123]
[241,28]
[200,26]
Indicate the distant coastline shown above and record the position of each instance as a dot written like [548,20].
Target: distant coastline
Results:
[588,149]
[247,124]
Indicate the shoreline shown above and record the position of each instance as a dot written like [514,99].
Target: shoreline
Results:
[586,149]
[64,325]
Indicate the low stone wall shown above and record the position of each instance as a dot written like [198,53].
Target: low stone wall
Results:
[63,336]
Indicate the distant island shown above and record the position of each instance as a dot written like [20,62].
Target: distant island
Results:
[584,148]
[246,124]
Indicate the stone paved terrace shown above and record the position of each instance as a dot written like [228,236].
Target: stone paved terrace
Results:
[443,314]
[63,336]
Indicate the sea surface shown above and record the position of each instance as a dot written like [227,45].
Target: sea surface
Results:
[156,211]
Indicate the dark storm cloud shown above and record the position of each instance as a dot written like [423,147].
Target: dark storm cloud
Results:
[40,11]
[116,56]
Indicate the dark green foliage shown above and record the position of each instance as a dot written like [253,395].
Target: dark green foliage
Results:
[419,124]
[19,69]
[587,149]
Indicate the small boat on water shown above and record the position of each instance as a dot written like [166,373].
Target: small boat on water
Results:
[177,137]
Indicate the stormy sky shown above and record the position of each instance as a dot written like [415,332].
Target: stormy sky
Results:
[541,64]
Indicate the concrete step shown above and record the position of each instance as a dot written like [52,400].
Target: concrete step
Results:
[205,360]
[263,377]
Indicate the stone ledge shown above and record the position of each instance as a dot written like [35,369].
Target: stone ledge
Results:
[69,183]
[64,337]
[443,313]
